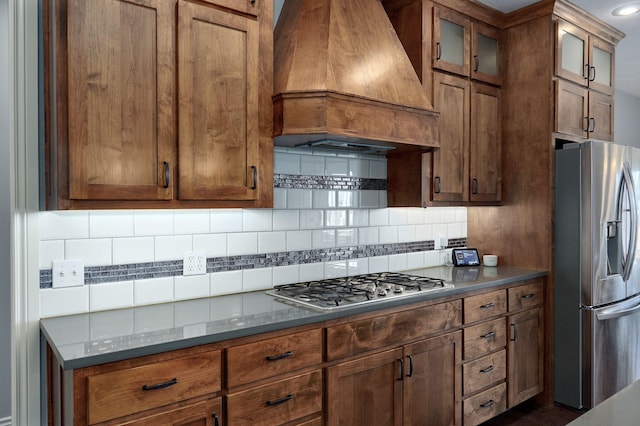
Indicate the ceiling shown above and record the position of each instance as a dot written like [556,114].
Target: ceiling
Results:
[627,60]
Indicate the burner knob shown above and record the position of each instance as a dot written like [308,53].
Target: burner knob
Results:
[382,292]
[398,288]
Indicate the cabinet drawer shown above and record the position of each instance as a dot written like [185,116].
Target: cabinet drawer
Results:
[526,296]
[277,403]
[484,306]
[373,333]
[260,360]
[485,405]
[119,393]
[484,338]
[245,6]
[484,372]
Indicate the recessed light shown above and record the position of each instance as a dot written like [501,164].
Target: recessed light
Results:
[626,9]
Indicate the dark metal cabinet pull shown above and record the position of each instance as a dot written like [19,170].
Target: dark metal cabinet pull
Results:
[490,403]
[476,63]
[513,333]
[438,51]
[254,170]
[253,1]
[216,422]
[587,123]
[592,77]
[401,376]
[487,370]
[160,385]
[586,71]
[528,296]
[280,400]
[489,335]
[410,373]
[287,354]
[167,174]
[488,306]
[437,188]
[474,186]
[592,121]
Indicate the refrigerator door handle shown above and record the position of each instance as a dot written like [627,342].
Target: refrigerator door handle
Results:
[615,312]
[627,181]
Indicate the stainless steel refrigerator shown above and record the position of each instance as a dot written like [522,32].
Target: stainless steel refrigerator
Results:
[597,276]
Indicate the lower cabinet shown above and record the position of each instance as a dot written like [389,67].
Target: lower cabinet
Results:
[205,413]
[526,355]
[416,384]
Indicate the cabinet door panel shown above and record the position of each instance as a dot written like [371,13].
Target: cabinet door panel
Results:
[206,413]
[572,115]
[218,104]
[526,355]
[602,60]
[486,52]
[572,53]
[366,391]
[451,41]
[432,383]
[121,91]
[601,113]
[451,161]
[486,144]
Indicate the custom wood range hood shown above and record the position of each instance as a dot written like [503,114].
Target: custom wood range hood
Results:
[343,79]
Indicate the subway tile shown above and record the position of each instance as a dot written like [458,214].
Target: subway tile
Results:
[227,282]
[299,199]
[348,199]
[49,251]
[369,199]
[285,220]
[155,290]
[257,279]
[153,223]
[272,242]
[398,216]
[226,220]
[64,301]
[215,245]
[60,225]
[311,271]
[93,252]
[407,233]
[447,215]
[110,296]
[378,264]
[358,266]
[415,216]
[298,240]
[172,247]
[191,287]
[424,232]
[388,234]
[311,219]
[440,231]
[286,274]
[192,222]
[312,165]
[397,262]
[368,235]
[335,269]
[110,224]
[279,198]
[286,163]
[346,237]
[454,230]
[323,238]
[335,218]
[242,243]
[359,168]
[257,220]
[324,199]
[432,258]
[415,260]
[379,217]
[336,166]
[461,214]
[432,215]
[382,198]
[378,169]
[358,217]
[133,250]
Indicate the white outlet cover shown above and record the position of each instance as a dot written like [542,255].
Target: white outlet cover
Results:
[67,273]
[195,263]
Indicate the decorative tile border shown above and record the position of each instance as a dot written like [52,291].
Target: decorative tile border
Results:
[138,271]
[328,182]
[457,243]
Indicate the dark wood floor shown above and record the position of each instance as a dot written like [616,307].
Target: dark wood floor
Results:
[530,414]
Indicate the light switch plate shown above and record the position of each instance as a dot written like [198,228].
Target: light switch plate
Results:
[195,263]
[67,273]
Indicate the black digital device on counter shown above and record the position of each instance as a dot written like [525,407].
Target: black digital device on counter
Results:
[465,257]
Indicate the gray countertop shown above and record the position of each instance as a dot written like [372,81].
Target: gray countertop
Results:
[98,337]
[622,409]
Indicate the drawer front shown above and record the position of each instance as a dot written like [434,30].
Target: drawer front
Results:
[277,403]
[484,338]
[526,296]
[485,405]
[119,393]
[484,372]
[268,358]
[485,306]
[372,333]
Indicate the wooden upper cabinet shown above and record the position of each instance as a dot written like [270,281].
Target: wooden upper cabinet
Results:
[584,58]
[121,86]
[218,104]
[485,169]
[486,53]
[451,41]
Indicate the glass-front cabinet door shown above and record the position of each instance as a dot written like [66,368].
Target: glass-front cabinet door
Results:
[572,53]
[451,41]
[486,49]
[602,65]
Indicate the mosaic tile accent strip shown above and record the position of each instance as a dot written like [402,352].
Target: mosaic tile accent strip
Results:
[328,182]
[457,243]
[138,271]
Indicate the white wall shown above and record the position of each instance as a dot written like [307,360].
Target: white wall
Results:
[5,219]
[627,119]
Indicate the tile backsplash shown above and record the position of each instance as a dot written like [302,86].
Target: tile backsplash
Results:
[329,219]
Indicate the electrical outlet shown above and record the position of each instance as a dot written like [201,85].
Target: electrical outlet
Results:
[195,263]
[67,273]
[440,242]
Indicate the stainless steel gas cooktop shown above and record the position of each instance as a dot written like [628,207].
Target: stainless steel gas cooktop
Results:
[336,293]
